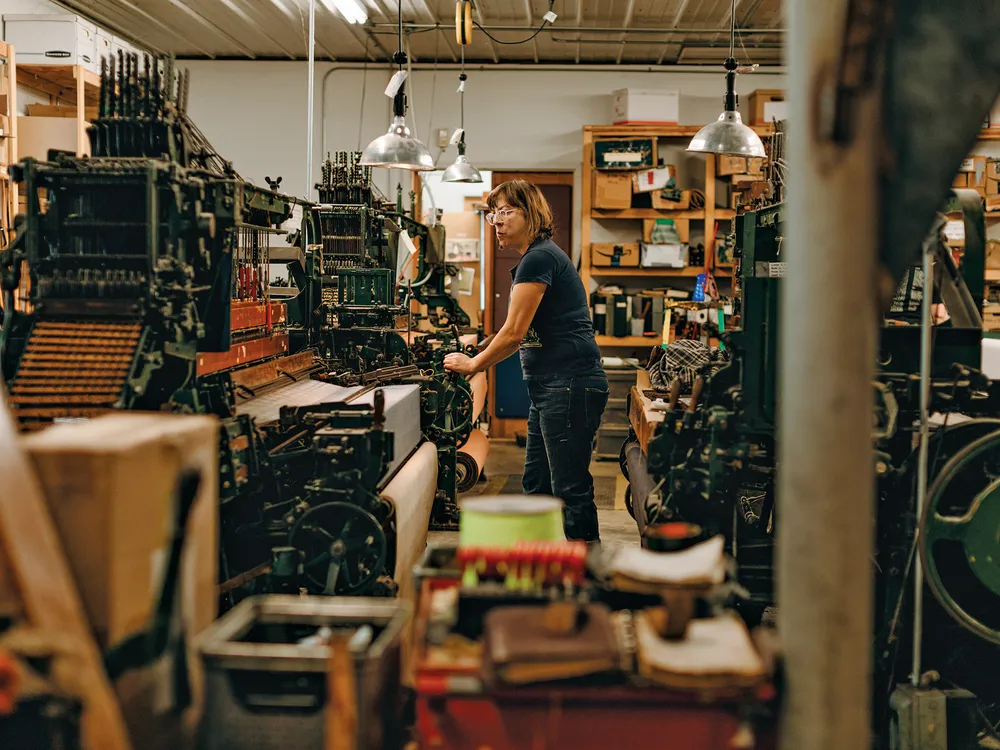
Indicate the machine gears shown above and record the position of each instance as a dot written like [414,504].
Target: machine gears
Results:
[958,533]
[343,548]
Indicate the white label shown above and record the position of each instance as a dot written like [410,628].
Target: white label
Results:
[769,270]
[968,165]
[395,83]
[600,309]
[621,304]
[550,17]
[622,156]
[728,309]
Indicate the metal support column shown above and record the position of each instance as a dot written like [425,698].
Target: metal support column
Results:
[310,97]
[827,360]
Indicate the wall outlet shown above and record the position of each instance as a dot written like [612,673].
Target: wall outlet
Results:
[443,137]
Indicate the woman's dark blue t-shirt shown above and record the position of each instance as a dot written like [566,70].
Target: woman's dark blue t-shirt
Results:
[562,322]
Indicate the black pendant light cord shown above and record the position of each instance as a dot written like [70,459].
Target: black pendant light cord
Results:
[519,41]
[461,105]
[399,100]
[730,64]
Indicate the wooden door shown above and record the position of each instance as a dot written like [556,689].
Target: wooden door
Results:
[558,190]
[557,187]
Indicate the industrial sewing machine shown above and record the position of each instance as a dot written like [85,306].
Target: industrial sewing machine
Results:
[712,460]
[139,280]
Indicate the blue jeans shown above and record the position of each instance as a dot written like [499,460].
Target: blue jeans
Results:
[562,425]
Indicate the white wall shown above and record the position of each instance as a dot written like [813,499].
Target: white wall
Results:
[254,112]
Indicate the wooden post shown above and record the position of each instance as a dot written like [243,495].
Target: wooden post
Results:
[826,485]
[342,698]
[81,109]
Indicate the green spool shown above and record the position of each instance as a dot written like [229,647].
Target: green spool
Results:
[504,520]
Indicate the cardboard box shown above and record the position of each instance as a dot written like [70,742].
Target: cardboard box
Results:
[726,165]
[993,254]
[612,190]
[645,107]
[625,153]
[661,203]
[683,227]
[664,256]
[614,254]
[52,39]
[758,112]
[36,135]
[961,180]
[110,486]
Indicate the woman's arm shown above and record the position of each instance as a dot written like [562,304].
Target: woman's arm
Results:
[524,300]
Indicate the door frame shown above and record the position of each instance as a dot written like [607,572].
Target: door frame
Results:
[502,428]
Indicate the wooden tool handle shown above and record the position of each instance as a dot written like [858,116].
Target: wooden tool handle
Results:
[675,394]
[696,389]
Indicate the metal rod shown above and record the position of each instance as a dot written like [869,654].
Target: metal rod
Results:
[589,29]
[310,96]
[827,361]
[926,333]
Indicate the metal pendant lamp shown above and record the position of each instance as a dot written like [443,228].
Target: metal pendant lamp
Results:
[398,149]
[728,134]
[462,170]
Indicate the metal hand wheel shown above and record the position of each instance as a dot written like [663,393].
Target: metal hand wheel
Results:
[971,473]
[343,548]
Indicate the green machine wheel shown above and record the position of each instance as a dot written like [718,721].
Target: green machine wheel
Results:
[959,537]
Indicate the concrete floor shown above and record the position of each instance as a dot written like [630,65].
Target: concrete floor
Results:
[507,459]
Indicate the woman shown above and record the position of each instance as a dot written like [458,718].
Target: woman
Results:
[561,361]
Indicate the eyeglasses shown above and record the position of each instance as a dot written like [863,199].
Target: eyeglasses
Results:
[501,215]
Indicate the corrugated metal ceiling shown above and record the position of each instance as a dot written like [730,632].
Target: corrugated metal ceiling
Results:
[586,31]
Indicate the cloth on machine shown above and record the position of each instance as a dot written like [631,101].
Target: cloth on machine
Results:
[684,359]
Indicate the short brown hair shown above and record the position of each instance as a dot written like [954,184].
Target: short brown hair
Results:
[530,200]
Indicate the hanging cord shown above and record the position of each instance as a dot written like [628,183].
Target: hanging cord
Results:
[364,88]
[522,41]
[732,30]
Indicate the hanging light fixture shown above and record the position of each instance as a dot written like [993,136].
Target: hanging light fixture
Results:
[728,134]
[462,170]
[398,149]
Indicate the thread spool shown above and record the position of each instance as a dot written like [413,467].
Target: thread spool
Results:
[507,519]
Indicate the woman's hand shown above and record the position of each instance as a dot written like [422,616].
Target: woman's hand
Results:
[460,363]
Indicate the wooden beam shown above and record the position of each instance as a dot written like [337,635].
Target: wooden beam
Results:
[46,587]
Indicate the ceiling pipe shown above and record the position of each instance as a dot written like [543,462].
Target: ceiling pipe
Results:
[549,29]
[540,68]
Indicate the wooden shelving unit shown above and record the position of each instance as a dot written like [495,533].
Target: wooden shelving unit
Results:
[627,341]
[8,141]
[72,84]
[710,214]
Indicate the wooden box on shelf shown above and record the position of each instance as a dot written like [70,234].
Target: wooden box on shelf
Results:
[614,254]
[659,202]
[683,227]
[612,190]
[763,105]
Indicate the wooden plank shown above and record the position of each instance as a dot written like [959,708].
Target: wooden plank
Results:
[658,131]
[341,703]
[58,110]
[46,586]
[645,421]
